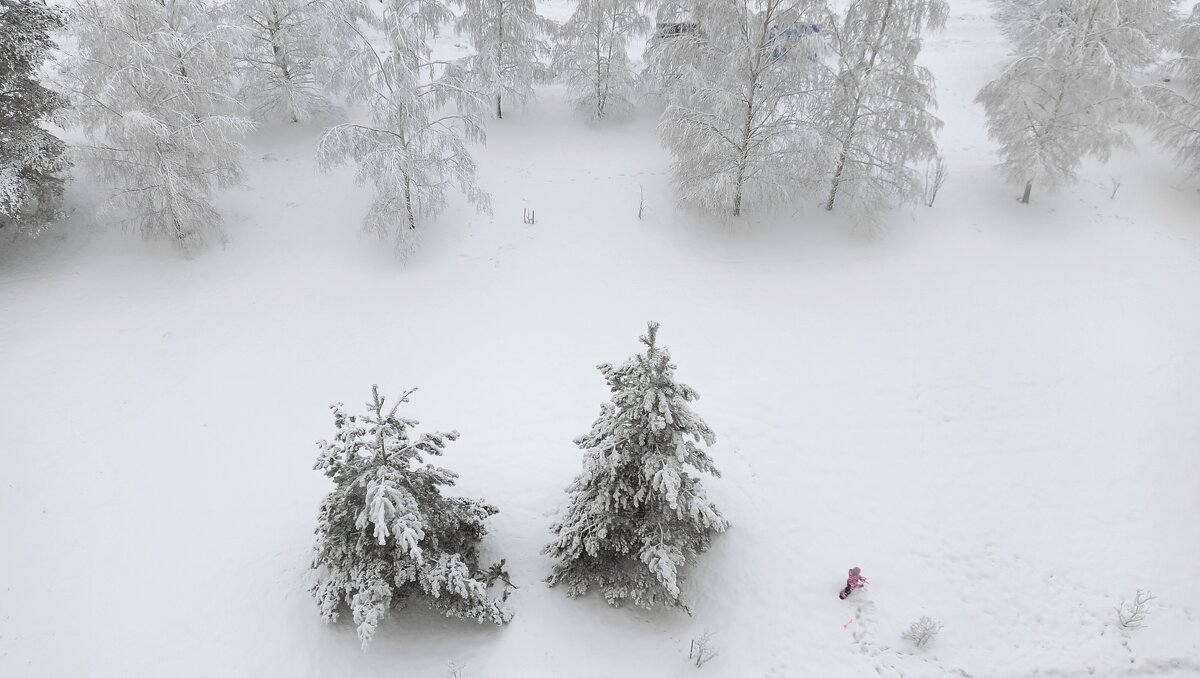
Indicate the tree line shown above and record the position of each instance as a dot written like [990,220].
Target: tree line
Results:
[764,103]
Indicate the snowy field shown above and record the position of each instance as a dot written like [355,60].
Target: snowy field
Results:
[989,407]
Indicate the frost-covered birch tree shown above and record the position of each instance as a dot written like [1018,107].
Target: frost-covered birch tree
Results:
[509,41]
[414,148]
[592,56]
[1065,95]
[387,535]
[638,511]
[1132,32]
[291,52]
[877,115]
[32,161]
[1176,118]
[151,84]
[673,48]
[739,119]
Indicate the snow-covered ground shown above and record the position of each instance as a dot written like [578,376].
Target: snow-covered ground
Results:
[989,407]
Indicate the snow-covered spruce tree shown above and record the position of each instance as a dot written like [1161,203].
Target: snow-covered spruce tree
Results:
[386,534]
[592,57]
[32,160]
[509,48]
[877,112]
[1176,118]
[1065,95]
[414,149]
[638,512]
[291,52]
[151,83]
[739,122]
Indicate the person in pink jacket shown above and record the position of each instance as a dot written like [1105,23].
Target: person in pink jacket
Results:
[855,581]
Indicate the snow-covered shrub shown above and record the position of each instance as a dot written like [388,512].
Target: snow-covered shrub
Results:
[1132,615]
[935,176]
[386,533]
[638,511]
[922,631]
[703,649]
[31,159]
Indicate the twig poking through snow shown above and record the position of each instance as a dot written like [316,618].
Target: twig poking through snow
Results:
[1133,615]
[935,176]
[702,649]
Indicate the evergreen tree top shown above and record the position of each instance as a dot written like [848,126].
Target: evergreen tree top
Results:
[644,389]
[381,437]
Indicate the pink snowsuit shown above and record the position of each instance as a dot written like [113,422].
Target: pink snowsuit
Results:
[855,581]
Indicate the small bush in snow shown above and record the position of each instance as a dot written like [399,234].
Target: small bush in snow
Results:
[1132,615]
[386,533]
[702,649]
[922,631]
[935,176]
[637,512]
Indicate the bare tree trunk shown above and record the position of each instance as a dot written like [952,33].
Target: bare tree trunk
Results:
[499,57]
[408,204]
[837,181]
[751,109]
[1025,196]
[281,59]
[408,198]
